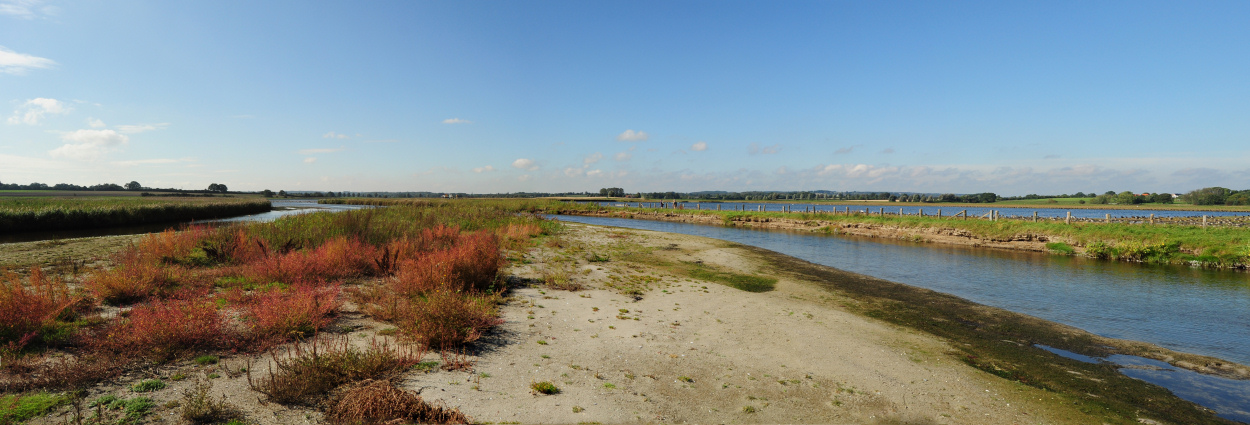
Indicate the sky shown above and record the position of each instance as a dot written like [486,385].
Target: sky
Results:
[554,96]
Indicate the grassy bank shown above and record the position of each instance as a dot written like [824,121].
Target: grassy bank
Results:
[432,271]
[25,214]
[1215,247]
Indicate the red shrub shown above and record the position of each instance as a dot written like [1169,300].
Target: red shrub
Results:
[439,237]
[297,312]
[445,319]
[336,259]
[161,329]
[470,265]
[170,245]
[25,310]
[132,280]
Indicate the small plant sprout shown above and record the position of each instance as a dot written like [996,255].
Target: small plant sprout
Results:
[542,342]
[545,387]
[148,386]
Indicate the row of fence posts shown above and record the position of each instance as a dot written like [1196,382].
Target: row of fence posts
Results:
[992,215]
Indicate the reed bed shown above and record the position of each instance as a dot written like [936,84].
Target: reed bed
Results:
[24,214]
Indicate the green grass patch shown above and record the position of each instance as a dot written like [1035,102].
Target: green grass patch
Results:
[545,387]
[749,283]
[20,408]
[89,212]
[148,386]
[1060,248]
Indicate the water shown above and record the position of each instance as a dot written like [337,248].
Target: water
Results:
[1226,396]
[282,208]
[1185,309]
[947,211]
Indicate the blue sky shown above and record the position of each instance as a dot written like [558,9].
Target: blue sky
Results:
[504,96]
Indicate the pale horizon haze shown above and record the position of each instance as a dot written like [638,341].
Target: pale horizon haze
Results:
[554,96]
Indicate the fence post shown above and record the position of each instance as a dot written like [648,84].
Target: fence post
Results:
[939,213]
[900,212]
[965,214]
[881,212]
[1034,216]
[920,212]
[1108,218]
[1204,222]
[1152,218]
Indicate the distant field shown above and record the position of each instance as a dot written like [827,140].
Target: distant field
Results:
[33,213]
[96,194]
[1021,203]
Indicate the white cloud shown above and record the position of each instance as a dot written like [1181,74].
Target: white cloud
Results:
[33,111]
[25,9]
[592,158]
[15,63]
[699,147]
[485,169]
[95,123]
[155,161]
[573,172]
[622,156]
[135,129]
[633,136]
[594,173]
[89,144]
[456,121]
[525,164]
[320,150]
[310,160]
[524,177]
[756,149]
[333,135]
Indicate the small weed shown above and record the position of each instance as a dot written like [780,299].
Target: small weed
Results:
[206,360]
[177,377]
[198,407]
[148,386]
[388,331]
[578,409]
[748,409]
[541,342]
[609,385]
[545,387]
[686,379]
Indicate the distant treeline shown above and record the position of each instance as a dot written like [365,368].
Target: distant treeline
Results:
[103,187]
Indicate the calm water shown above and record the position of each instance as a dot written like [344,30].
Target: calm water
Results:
[1184,309]
[282,208]
[1181,308]
[932,209]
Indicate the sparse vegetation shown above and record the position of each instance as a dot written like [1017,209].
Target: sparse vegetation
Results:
[25,214]
[545,387]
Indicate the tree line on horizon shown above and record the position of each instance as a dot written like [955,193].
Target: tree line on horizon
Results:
[103,187]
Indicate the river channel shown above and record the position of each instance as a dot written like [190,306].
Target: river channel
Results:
[1184,309]
[281,208]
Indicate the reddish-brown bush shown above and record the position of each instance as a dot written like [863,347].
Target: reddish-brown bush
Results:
[308,373]
[445,319]
[379,402]
[294,313]
[171,246]
[161,329]
[517,235]
[26,309]
[133,279]
[336,259]
[470,265]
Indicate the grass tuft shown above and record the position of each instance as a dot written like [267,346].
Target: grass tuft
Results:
[378,402]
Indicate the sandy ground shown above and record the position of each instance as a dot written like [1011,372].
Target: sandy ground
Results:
[677,350]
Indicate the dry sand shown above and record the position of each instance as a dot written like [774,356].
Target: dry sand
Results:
[681,351]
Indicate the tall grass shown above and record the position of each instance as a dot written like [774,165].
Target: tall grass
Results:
[47,213]
[29,311]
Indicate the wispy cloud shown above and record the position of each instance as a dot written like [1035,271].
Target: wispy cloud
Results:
[310,160]
[699,146]
[140,128]
[756,149]
[887,151]
[15,63]
[633,136]
[525,164]
[33,111]
[483,169]
[320,150]
[333,135]
[592,158]
[96,123]
[381,141]
[456,121]
[89,144]
[26,9]
[846,150]
[623,156]
[155,161]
